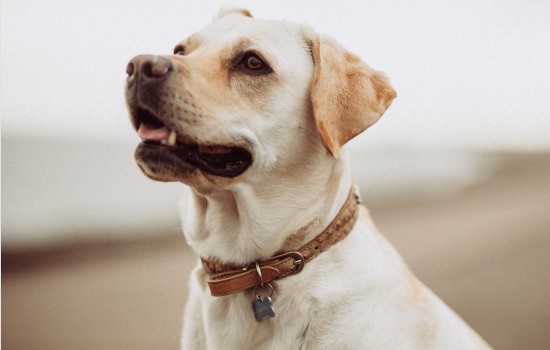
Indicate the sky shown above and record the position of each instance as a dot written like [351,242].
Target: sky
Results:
[469,73]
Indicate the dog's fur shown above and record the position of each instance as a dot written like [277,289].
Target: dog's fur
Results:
[358,294]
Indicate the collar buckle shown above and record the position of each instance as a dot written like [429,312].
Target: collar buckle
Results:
[299,260]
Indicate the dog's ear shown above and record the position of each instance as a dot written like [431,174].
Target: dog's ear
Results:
[347,95]
[232,10]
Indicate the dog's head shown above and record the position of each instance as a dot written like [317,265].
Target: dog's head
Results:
[242,97]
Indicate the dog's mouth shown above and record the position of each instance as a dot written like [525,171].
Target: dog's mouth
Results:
[162,144]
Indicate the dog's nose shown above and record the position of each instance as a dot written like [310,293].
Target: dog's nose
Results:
[151,67]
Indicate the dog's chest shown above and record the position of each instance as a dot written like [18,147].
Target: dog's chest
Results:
[236,326]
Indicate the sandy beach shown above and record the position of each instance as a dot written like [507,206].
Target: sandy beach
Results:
[485,251]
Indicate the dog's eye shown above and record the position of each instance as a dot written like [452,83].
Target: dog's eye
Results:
[252,63]
[179,50]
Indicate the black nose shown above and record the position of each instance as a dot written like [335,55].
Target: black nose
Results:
[149,67]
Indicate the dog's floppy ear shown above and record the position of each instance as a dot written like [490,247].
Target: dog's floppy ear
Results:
[232,10]
[347,95]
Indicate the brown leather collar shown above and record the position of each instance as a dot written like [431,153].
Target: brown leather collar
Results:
[228,279]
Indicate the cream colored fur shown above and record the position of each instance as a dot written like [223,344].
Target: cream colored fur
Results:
[358,294]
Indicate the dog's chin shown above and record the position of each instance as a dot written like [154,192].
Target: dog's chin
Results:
[190,164]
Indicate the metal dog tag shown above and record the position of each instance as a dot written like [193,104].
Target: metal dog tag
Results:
[263,308]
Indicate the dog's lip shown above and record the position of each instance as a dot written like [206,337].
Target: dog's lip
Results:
[220,160]
[223,161]
[151,128]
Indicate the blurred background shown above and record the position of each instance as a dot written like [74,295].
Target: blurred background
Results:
[456,174]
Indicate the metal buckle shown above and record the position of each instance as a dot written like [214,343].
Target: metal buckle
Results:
[299,260]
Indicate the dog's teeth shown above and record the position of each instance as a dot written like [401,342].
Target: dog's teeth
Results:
[172,138]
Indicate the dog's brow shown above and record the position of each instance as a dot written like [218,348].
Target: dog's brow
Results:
[242,45]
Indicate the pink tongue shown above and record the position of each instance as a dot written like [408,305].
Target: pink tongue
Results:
[148,133]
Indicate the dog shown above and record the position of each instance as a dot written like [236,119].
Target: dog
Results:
[252,115]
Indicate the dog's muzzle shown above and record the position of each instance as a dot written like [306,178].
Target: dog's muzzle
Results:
[167,154]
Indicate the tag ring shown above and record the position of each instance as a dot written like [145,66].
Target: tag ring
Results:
[259,271]
[271,290]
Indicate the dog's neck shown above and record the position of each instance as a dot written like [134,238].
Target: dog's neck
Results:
[251,222]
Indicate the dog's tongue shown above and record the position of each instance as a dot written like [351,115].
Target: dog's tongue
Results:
[150,133]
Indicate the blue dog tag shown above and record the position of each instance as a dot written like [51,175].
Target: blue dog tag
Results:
[263,308]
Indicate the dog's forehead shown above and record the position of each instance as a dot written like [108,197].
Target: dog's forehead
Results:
[234,28]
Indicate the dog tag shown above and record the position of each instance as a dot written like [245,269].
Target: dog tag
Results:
[263,308]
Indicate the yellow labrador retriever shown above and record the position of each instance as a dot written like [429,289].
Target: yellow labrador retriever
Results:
[252,116]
